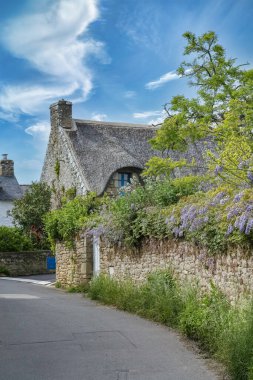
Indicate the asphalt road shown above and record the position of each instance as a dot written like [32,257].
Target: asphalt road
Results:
[46,334]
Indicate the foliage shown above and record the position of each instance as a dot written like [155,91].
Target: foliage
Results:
[216,219]
[236,344]
[28,212]
[4,271]
[204,317]
[219,328]
[222,111]
[82,288]
[139,212]
[12,239]
[63,224]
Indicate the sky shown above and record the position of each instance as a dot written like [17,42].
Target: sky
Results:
[115,60]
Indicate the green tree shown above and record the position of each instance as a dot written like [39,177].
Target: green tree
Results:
[222,108]
[29,211]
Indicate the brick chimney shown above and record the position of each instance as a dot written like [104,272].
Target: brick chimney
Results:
[61,114]
[6,167]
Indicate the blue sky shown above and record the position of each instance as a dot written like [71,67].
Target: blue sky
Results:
[114,59]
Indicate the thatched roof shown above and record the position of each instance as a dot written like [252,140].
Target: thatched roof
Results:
[102,148]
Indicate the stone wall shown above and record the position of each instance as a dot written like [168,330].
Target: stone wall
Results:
[232,273]
[24,263]
[74,265]
[60,154]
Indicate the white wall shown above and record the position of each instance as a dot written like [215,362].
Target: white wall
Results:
[5,220]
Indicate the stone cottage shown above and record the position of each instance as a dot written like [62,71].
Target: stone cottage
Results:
[10,190]
[88,155]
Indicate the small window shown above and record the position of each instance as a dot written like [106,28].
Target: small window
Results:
[123,179]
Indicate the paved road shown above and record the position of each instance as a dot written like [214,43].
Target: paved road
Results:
[46,334]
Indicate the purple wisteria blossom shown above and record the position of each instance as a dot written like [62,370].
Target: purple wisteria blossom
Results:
[250,176]
[97,231]
[178,232]
[238,197]
[243,164]
[230,229]
[224,200]
[202,210]
[249,207]
[170,220]
[249,226]
[241,221]
[233,211]
[216,200]
[196,224]
[218,169]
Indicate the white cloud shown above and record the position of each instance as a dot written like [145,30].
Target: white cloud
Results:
[39,130]
[171,75]
[159,120]
[146,114]
[99,116]
[50,41]
[28,99]
[157,116]
[8,116]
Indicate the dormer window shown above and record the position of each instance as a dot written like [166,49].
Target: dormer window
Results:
[123,179]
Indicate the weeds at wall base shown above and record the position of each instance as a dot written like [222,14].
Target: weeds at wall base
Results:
[4,271]
[220,329]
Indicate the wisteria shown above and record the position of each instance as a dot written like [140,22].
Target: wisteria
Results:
[218,169]
[224,200]
[243,164]
[249,226]
[216,200]
[238,197]
[195,217]
[233,211]
[230,229]
[250,176]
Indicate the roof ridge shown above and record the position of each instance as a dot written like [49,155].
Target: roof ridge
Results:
[115,124]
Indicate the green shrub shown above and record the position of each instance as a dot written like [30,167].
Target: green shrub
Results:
[139,212]
[13,240]
[82,288]
[63,224]
[204,318]
[4,271]
[236,347]
[160,298]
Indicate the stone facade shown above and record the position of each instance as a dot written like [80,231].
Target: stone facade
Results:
[61,169]
[6,167]
[231,272]
[25,263]
[74,265]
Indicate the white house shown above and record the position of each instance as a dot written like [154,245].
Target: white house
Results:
[9,190]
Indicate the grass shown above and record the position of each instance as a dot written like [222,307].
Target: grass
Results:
[226,332]
[82,288]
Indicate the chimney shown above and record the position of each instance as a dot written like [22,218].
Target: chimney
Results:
[61,114]
[6,166]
